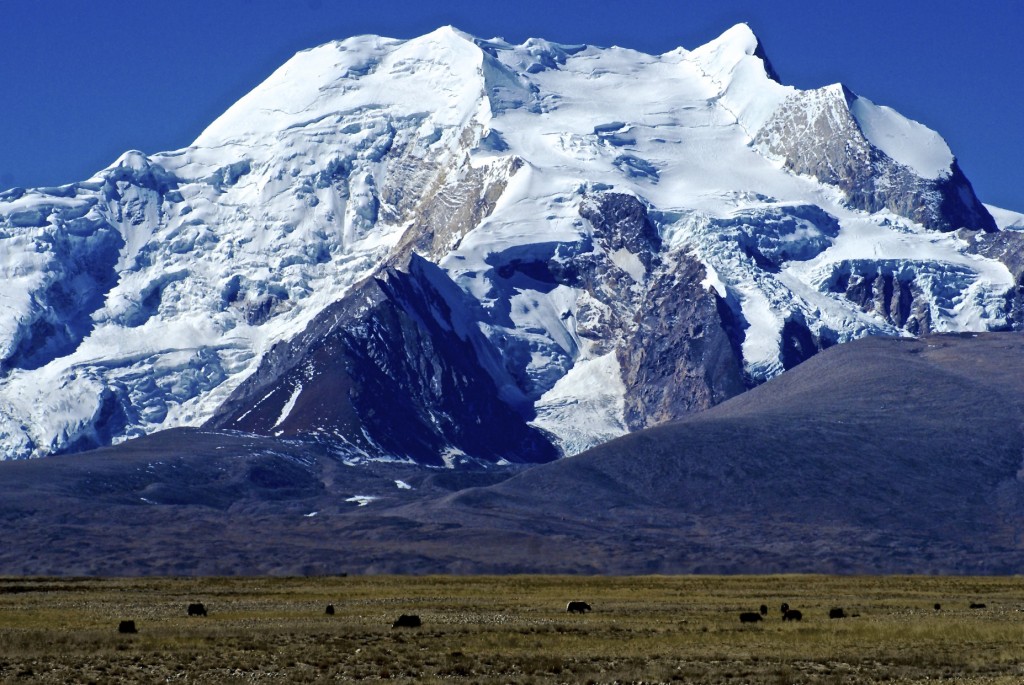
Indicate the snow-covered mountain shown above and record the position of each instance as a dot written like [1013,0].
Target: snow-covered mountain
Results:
[448,248]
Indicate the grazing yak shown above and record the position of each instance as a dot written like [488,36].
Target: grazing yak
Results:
[329,610]
[126,627]
[196,609]
[836,612]
[407,621]
[792,615]
[577,608]
[764,609]
[977,605]
[750,617]
[938,607]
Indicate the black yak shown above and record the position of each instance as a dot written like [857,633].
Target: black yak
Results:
[407,621]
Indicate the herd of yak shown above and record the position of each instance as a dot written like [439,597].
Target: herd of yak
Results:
[788,614]
[573,607]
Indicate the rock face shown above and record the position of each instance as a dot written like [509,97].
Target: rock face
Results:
[442,250]
[842,155]
[386,372]
[680,359]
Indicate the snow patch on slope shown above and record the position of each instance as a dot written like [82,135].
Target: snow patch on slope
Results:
[289,405]
[1006,219]
[586,406]
[906,141]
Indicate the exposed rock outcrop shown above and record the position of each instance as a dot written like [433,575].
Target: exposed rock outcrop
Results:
[389,371]
[815,133]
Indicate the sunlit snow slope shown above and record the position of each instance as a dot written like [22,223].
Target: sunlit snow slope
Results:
[447,248]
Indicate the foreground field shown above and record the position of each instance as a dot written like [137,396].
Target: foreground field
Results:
[513,629]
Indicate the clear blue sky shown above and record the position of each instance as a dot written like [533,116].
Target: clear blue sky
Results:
[80,82]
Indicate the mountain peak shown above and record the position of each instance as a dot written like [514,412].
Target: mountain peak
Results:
[839,90]
[316,87]
[738,41]
[907,142]
[449,33]
[723,56]
[740,36]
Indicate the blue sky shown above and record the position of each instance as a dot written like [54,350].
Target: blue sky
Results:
[82,82]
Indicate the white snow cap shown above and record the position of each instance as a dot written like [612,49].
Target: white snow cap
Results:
[439,71]
[743,78]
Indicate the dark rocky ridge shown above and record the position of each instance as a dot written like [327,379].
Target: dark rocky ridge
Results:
[411,348]
[388,371]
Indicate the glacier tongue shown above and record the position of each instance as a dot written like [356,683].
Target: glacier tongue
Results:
[621,239]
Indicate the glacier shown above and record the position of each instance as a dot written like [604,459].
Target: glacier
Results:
[587,240]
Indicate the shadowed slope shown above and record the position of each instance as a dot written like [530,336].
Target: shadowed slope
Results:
[873,456]
[876,456]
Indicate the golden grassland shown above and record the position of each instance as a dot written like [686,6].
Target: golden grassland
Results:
[513,629]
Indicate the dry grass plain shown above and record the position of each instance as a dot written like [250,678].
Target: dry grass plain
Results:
[512,629]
